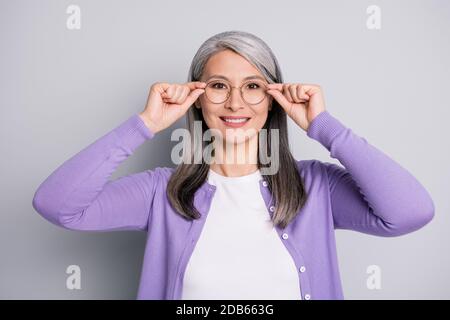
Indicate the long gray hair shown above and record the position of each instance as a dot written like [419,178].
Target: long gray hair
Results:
[286,185]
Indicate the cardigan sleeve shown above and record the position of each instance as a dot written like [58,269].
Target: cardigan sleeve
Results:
[372,193]
[79,196]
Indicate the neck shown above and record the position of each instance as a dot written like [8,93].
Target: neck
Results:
[236,159]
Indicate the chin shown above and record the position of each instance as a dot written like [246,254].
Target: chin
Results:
[239,137]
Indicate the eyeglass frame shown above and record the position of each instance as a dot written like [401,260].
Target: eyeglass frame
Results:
[240,90]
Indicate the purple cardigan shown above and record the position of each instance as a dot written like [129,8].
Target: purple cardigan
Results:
[371,194]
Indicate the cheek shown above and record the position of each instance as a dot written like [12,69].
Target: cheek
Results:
[260,117]
[210,114]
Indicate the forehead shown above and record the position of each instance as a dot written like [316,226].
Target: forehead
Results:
[230,66]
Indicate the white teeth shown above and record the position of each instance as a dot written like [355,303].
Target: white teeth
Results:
[236,120]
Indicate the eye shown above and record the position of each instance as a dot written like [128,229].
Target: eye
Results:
[219,85]
[253,85]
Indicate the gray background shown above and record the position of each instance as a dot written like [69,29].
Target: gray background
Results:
[62,89]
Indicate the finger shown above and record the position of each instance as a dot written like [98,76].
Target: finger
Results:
[301,93]
[173,93]
[311,89]
[164,86]
[297,92]
[196,85]
[293,92]
[193,95]
[165,97]
[184,93]
[275,86]
[188,87]
[178,94]
[281,99]
[169,92]
[161,88]
[286,93]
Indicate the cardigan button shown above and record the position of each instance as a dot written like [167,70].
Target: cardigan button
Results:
[307,297]
[272,208]
[265,183]
[302,269]
[285,236]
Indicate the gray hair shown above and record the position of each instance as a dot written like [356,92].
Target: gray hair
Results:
[249,46]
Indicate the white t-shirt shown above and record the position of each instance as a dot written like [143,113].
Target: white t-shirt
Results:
[239,254]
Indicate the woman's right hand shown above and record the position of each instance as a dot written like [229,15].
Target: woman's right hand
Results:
[167,103]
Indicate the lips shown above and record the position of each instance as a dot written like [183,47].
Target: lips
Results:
[235,121]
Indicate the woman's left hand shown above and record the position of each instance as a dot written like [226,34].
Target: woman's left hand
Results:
[302,102]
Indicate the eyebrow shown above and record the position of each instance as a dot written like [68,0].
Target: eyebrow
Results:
[225,78]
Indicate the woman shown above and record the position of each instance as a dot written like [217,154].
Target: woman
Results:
[227,230]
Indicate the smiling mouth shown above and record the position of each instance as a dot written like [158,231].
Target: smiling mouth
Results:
[235,119]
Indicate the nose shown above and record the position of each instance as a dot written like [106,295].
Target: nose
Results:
[235,101]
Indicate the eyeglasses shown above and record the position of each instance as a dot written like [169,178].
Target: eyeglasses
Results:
[252,91]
